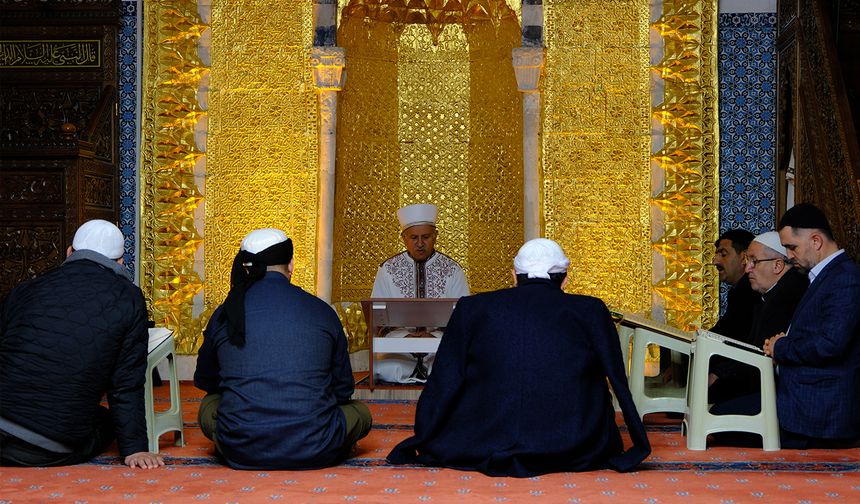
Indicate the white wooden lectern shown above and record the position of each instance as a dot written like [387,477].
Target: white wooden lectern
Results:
[383,314]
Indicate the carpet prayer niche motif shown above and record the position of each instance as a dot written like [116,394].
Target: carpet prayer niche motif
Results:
[671,474]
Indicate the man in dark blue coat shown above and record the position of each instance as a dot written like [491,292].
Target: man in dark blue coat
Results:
[818,388]
[275,366]
[67,338]
[519,387]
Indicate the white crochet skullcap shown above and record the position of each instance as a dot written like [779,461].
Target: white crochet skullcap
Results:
[771,240]
[539,257]
[260,239]
[99,236]
[417,215]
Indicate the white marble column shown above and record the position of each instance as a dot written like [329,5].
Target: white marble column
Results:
[328,64]
[528,62]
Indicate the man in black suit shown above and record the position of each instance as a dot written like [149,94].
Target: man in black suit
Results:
[519,387]
[729,260]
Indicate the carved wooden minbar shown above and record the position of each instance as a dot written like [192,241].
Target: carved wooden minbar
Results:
[58,129]
[818,110]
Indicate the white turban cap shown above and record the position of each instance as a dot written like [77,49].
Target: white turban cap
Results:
[771,240]
[539,257]
[422,214]
[99,236]
[260,239]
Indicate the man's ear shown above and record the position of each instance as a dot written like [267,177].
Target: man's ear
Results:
[817,240]
[514,275]
[779,266]
[69,251]
[121,260]
[564,282]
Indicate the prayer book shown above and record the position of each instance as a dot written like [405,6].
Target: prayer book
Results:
[157,336]
[633,320]
[730,341]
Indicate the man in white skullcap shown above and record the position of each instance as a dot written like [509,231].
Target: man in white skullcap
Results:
[520,382]
[67,338]
[418,272]
[780,286]
[275,366]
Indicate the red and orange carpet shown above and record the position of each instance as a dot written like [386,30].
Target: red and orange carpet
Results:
[670,474]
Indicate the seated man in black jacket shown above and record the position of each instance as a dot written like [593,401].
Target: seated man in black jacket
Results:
[67,338]
[520,386]
[729,258]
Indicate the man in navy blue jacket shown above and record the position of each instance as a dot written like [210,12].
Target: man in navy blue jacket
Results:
[275,367]
[519,387]
[818,358]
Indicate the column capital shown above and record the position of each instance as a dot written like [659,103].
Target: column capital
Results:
[528,63]
[328,64]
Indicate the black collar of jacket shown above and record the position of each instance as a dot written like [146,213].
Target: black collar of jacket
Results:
[536,281]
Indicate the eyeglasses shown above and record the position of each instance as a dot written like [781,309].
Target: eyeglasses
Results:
[755,262]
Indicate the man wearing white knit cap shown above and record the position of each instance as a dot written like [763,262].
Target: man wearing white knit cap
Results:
[520,382]
[68,337]
[418,272]
[780,286]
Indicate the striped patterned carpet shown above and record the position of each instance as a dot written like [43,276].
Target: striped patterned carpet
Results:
[671,474]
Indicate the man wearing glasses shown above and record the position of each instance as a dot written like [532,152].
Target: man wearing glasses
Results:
[780,286]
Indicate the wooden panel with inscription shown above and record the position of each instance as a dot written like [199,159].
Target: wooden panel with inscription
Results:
[58,128]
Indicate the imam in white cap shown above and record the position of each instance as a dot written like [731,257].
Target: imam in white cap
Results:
[771,240]
[259,240]
[99,236]
[539,257]
[422,214]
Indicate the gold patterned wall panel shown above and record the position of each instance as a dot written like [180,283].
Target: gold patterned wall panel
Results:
[435,13]
[495,211]
[168,193]
[262,168]
[424,120]
[368,156]
[596,146]
[434,129]
[689,199]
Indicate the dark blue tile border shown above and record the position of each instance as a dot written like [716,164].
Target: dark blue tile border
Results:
[747,101]
[129,117]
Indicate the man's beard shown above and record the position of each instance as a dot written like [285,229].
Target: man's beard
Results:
[798,267]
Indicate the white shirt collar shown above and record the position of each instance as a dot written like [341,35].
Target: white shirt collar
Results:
[816,270]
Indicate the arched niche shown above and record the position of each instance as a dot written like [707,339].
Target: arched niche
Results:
[430,112]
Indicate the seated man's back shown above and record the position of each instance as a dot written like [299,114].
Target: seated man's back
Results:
[281,389]
[275,367]
[66,338]
[520,387]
